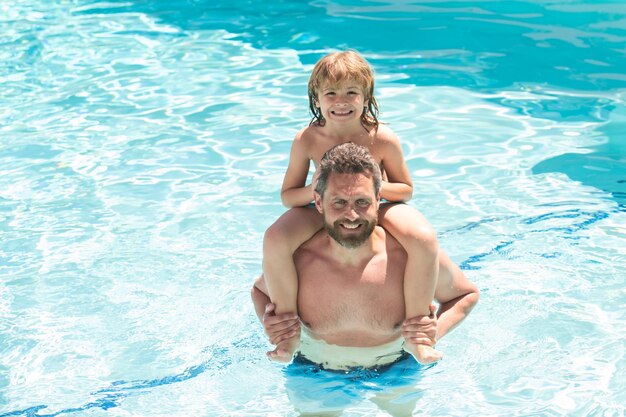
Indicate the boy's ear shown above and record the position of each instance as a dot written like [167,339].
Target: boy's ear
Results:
[318,202]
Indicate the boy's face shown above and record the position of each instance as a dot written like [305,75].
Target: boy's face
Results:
[341,103]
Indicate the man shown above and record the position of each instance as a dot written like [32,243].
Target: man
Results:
[350,277]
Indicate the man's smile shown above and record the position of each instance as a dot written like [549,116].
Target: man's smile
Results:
[351,226]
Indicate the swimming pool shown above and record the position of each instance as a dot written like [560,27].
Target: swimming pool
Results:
[142,147]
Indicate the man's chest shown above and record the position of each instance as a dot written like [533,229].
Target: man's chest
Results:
[369,299]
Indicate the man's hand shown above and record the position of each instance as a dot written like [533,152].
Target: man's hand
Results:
[421,330]
[279,327]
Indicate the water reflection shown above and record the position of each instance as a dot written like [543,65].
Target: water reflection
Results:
[488,44]
[602,166]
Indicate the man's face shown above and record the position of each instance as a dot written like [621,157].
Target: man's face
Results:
[349,207]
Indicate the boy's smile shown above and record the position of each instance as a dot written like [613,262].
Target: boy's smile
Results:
[341,103]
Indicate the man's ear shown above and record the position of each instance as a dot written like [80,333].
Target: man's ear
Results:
[318,202]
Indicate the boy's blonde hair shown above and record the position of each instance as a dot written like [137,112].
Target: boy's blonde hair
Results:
[336,68]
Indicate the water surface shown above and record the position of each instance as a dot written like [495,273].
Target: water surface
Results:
[142,147]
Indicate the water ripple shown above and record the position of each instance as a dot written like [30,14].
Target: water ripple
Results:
[143,150]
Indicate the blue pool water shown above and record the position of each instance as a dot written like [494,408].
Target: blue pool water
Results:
[142,147]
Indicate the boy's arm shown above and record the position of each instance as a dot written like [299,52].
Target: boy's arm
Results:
[294,193]
[278,327]
[455,293]
[398,187]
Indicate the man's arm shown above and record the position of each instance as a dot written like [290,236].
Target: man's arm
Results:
[277,327]
[455,293]
[421,330]
[260,299]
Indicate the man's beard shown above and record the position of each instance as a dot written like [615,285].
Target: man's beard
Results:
[352,240]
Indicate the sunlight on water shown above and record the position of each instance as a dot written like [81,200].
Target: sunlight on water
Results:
[143,147]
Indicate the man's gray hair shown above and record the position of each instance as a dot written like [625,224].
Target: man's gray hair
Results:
[347,158]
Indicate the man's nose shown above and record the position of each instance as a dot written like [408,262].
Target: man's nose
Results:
[351,214]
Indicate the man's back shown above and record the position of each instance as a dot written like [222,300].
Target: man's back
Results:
[348,304]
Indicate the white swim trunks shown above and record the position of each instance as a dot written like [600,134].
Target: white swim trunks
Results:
[346,357]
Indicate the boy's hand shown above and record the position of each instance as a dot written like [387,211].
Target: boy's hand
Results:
[316,175]
[421,330]
[279,327]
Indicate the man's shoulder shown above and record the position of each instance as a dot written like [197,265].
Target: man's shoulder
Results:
[314,246]
[391,244]
[311,256]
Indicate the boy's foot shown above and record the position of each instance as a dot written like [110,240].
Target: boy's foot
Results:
[284,350]
[423,354]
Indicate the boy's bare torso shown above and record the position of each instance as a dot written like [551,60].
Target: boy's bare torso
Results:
[318,139]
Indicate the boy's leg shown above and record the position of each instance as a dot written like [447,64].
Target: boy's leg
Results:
[281,240]
[419,240]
